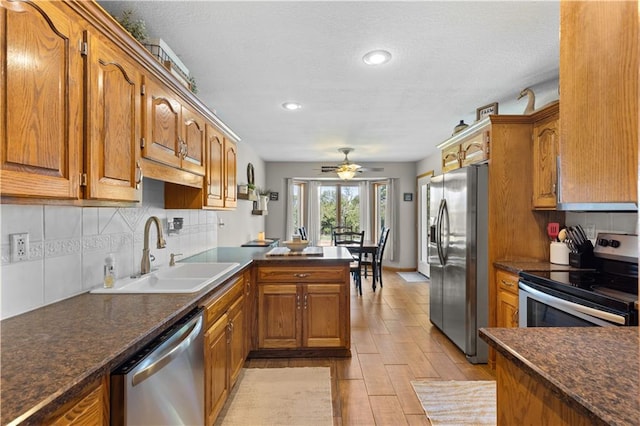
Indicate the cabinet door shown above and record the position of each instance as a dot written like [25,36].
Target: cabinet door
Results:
[599,91]
[113,125]
[249,311]
[162,125]
[507,309]
[236,339]
[90,409]
[450,158]
[545,153]
[193,138]
[230,164]
[279,316]
[40,100]
[324,316]
[216,368]
[215,176]
[475,149]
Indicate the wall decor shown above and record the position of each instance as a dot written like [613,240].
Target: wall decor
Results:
[273,196]
[486,110]
[408,196]
[250,174]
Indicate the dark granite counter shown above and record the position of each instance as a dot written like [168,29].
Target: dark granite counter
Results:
[595,370]
[50,354]
[517,266]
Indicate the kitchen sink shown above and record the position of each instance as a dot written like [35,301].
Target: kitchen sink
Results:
[182,278]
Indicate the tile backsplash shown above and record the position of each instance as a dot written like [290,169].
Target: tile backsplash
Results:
[605,222]
[68,245]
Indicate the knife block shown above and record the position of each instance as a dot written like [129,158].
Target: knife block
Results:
[582,260]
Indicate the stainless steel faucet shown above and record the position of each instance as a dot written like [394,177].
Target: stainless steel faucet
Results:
[146,263]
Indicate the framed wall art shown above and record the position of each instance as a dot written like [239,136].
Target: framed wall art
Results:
[486,110]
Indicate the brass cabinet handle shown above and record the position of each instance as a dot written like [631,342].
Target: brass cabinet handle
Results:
[507,283]
[298,301]
[301,275]
[514,316]
[138,174]
[306,297]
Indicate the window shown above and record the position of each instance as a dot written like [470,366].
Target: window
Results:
[339,206]
[380,208]
[297,205]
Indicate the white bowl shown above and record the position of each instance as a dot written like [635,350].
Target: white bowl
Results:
[296,245]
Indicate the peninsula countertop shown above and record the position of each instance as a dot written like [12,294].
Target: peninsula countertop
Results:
[50,354]
[595,370]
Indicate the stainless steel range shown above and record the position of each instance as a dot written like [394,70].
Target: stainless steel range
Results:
[606,295]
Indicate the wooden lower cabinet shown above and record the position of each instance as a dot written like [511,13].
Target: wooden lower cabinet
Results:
[90,408]
[507,299]
[523,400]
[224,346]
[303,316]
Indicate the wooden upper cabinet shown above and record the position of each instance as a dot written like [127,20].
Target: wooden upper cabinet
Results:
[163,125]
[114,115]
[475,149]
[174,133]
[230,164]
[215,178]
[599,94]
[40,101]
[546,135]
[193,141]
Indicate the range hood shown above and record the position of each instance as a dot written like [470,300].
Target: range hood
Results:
[598,207]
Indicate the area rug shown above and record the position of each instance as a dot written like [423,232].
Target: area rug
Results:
[280,396]
[413,277]
[458,402]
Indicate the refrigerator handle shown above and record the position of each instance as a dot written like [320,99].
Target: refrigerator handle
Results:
[439,231]
[444,231]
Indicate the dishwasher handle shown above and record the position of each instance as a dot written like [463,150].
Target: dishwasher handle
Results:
[168,350]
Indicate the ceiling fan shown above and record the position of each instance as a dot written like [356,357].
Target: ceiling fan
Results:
[347,170]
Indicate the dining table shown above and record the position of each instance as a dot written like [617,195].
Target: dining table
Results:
[368,247]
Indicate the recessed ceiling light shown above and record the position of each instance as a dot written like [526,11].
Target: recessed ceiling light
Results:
[291,106]
[377,57]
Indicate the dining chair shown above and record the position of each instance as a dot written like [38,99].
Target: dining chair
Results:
[368,258]
[376,267]
[339,229]
[303,233]
[352,239]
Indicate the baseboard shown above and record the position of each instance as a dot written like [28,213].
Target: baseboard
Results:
[392,269]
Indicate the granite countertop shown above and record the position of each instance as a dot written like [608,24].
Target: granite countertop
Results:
[517,266]
[50,354]
[595,370]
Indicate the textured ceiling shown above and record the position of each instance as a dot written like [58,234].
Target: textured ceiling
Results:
[449,58]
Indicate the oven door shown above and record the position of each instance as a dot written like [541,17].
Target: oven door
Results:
[541,309]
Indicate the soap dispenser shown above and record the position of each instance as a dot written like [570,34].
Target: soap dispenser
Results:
[109,271]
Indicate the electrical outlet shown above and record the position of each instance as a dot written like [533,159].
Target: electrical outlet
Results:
[590,230]
[19,247]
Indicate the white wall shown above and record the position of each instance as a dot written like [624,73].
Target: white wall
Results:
[405,241]
[240,225]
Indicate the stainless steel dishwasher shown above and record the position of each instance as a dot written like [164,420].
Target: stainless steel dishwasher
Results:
[163,384]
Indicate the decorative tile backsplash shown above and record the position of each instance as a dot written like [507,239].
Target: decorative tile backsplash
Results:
[68,245]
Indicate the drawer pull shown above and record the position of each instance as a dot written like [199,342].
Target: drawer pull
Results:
[507,283]
[301,275]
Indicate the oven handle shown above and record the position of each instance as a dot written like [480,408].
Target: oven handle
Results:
[551,300]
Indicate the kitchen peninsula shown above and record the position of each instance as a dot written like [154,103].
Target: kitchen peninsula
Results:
[567,376]
[51,355]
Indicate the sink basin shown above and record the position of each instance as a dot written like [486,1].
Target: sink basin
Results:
[182,278]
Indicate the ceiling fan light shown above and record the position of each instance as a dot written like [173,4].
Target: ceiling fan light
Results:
[346,174]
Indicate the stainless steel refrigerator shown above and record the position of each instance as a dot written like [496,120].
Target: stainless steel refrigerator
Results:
[458,258]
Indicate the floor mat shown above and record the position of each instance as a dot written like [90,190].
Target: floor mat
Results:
[449,403]
[413,277]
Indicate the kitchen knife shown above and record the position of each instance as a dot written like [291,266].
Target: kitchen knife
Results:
[586,241]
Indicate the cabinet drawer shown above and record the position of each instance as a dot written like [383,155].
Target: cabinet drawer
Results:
[218,304]
[301,274]
[507,281]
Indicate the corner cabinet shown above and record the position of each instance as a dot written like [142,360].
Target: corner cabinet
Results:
[599,112]
[546,148]
[41,101]
[303,308]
